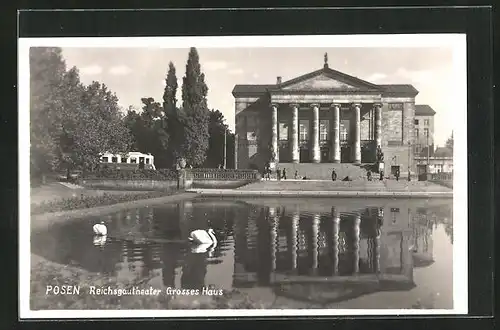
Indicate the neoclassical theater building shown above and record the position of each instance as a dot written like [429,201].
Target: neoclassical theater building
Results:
[325,116]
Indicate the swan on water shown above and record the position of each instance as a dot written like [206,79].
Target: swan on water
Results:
[201,236]
[100,229]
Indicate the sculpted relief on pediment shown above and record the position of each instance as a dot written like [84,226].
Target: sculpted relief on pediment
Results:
[321,82]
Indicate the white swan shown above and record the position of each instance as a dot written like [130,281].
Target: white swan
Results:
[100,229]
[201,236]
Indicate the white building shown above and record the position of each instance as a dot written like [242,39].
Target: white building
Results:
[133,157]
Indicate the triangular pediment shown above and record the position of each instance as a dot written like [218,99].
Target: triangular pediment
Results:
[327,79]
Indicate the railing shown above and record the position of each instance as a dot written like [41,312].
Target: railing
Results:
[223,174]
[442,176]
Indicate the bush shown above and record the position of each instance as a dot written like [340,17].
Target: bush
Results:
[82,202]
[144,174]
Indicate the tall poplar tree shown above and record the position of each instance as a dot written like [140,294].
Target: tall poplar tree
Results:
[196,115]
[173,117]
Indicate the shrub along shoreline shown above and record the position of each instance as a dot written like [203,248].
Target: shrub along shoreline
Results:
[83,202]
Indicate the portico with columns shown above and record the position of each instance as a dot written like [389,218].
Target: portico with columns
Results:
[326,133]
[324,116]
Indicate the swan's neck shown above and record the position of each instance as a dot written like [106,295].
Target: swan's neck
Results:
[212,236]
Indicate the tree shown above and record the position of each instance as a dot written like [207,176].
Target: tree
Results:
[173,118]
[47,70]
[169,94]
[216,129]
[195,110]
[449,142]
[101,127]
[149,130]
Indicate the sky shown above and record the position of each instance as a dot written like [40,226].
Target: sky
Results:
[134,73]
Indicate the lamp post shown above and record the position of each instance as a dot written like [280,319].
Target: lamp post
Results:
[225,147]
[409,160]
[428,152]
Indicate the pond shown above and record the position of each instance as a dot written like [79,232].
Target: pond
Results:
[307,253]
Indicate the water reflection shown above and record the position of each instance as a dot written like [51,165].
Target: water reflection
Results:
[326,253]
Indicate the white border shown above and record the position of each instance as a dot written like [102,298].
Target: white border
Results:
[457,41]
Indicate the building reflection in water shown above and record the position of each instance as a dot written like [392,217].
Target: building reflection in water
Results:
[339,253]
[337,249]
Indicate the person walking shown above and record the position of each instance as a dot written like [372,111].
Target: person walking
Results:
[296,176]
[278,174]
[334,175]
[284,174]
[397,174]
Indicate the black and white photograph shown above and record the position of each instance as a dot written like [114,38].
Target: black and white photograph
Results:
[249,175]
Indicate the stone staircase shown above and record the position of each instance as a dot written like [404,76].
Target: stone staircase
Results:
[323,171]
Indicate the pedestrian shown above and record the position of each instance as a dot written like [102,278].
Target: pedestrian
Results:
[278,174]
[381,175]
[284,174]
[334,175]
[369,175]
[397,174]
[296,176]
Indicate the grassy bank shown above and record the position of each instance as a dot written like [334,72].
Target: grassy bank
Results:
[44,273]
[89,201]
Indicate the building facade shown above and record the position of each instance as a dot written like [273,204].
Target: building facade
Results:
[424,129]
[325,116]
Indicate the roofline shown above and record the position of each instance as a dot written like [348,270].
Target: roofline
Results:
[328,70]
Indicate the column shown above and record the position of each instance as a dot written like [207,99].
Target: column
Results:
[378,124]
[376,254]
[314,243]
[315,155]
[355,243]
[295,241]
[295,134]
[335,155]
[356,133]
[274,236]
[236,142]
[274,133]
[335,234]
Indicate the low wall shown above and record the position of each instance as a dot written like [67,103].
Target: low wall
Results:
[130,184]
[219,184]
[187,179]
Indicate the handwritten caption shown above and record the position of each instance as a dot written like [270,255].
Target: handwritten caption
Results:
[134,291]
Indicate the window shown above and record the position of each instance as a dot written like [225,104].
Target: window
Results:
[394,211]
[141,159]
[283,132]
[147,160]
[324,128]
[426,132]
[133,160]
[252,150]
[304,130]
[104,159]
[251,136]
[251,128]
[124,159]
[426,122]
[415,121]
[416,133]
[343,132]
[396,106]
[114,159]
